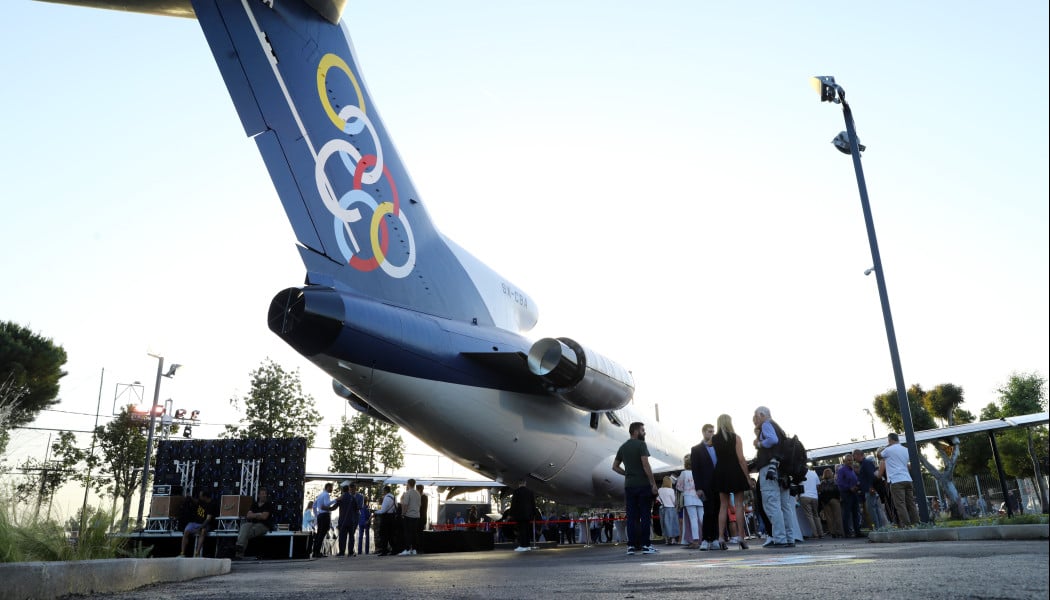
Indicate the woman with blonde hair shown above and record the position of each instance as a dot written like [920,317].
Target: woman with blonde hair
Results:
[668,511]
[730,477]
[691,503]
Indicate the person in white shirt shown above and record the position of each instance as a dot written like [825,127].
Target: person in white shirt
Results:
[386,513]
[410,504]
[809,503]
[691,502]
[668,512]
[323,506]
[894,468]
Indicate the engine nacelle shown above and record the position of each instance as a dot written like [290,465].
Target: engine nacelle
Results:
[582,378]
[357,403]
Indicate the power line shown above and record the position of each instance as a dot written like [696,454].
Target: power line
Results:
[73,412]
[53,429]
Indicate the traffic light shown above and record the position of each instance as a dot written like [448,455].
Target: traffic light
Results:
[186,433]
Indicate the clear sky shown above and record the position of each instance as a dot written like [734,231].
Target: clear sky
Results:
[659,179]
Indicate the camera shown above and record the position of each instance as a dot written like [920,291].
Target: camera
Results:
[771,473]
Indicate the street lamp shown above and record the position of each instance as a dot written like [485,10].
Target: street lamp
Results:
[152,425]
[872,417]
[832,92]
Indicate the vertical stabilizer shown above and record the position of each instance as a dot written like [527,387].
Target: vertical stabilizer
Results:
[298,90]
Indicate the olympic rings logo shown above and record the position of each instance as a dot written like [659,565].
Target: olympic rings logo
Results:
[367,169]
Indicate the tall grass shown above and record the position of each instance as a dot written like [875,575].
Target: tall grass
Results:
[24,538]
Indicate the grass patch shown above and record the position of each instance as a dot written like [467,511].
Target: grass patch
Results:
[24,539]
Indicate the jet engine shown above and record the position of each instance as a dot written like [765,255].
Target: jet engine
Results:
[357,403]
[580,377]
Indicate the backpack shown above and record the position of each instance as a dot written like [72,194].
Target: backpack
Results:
[792,460]
[792,456]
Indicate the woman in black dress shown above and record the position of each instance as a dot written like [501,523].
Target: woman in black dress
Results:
[730,476]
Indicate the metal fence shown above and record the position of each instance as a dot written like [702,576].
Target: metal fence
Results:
[986,487]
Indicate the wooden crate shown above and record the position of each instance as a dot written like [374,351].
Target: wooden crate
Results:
[166,506]
[234,506]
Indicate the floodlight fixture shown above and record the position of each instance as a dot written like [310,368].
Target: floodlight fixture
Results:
[827,88]
[868,272]
[171,370]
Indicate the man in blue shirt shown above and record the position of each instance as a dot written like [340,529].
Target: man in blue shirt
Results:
[776,499]
[849,487]
[866,479]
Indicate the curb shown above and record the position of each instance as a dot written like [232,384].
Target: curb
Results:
[964,534]
[48,580]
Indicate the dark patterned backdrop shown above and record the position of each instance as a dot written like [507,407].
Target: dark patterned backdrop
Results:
[281,471]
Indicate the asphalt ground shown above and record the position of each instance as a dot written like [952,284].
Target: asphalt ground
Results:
[830,568]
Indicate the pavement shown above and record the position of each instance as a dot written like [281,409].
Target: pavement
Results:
[46,580]
[854,568]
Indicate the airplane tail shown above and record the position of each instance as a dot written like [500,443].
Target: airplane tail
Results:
[361,226]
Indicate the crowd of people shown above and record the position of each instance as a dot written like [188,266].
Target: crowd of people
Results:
[720,499]
[397,523]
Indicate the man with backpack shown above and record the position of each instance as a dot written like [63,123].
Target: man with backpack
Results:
[776,499]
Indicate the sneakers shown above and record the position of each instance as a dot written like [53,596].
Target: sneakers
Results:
[412,552]
[630,550]
[405,553]
[704,545]
[522,549]
[649,549]
[769,542]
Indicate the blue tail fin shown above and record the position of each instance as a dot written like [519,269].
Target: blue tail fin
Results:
[297,87]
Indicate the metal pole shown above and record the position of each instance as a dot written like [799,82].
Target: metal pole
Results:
[91,454]
[149,438]
[1002,475]
[891,336]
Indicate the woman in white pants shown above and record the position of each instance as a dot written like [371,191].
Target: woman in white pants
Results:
[694,507]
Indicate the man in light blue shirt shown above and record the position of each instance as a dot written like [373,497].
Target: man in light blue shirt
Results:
[776,500]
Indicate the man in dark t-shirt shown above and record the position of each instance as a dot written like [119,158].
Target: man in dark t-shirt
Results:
[257,522]
[198,518]
[639,486]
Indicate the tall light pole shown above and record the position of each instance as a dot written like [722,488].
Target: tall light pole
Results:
[847,143]
[152,426]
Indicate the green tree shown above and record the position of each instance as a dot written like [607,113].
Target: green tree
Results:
[365,444]
[43,478]
[122,449]
[275,407]
[1022,449]
[887,409]
[30,367]
[975,451]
